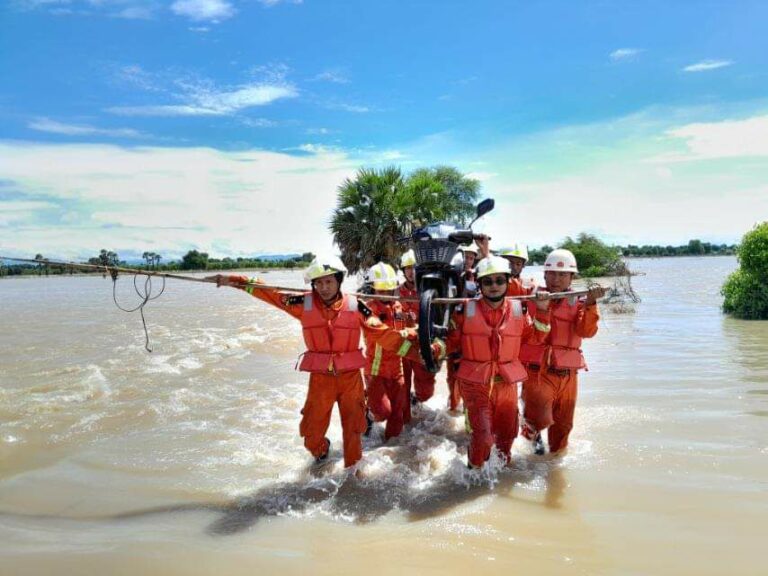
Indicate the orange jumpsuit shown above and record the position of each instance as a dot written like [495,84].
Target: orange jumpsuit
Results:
[549,393]
[385,386]
[454,354]
[491,405]
[414,371]
[342,388]
[516,288]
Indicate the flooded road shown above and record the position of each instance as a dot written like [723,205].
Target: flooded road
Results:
[188,460]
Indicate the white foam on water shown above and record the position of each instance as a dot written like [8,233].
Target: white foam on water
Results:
[189,363]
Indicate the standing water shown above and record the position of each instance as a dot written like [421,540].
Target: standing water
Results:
[188,460]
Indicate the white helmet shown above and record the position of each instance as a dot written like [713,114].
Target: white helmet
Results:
[408,259]
[561,260]
[324,266]
[516,250]
[471,248]
[493,265]
[383,276]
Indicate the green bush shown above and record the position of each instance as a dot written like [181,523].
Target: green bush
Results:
[745,291]
[753,251]
[746,296]
[594,257]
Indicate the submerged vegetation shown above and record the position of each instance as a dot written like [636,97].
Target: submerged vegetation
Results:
[746,290]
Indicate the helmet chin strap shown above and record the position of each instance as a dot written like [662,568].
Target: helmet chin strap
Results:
[494,298]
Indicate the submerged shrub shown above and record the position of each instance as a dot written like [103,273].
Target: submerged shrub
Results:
[745,291]
[753,251]
[595,258]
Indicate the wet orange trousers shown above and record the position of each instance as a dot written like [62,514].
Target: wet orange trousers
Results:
[550,402]
[420,379]
[423,380]
[387,400]
[346,389]
[492,414]
[454,392]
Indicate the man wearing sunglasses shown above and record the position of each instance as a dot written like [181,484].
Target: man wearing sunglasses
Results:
[489,332]
[517,256]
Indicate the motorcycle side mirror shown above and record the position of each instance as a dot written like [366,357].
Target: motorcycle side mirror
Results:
[485,206]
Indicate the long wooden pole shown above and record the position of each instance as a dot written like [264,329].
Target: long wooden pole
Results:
[258,285]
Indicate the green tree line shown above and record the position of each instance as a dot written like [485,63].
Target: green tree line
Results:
[192,260]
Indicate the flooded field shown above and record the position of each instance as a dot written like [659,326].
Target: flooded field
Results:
[188,460]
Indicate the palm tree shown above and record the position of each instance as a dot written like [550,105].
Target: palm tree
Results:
[378,208]
[157,259]
[365,224]
[41,266]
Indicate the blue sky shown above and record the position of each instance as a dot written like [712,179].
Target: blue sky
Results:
[227,125]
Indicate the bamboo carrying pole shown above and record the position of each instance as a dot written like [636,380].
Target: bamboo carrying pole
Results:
[110,269]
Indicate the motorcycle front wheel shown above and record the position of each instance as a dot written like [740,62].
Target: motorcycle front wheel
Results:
[429,315]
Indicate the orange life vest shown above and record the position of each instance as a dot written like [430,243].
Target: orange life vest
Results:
[477,362]
[564,343]
[382,362]
[332,345]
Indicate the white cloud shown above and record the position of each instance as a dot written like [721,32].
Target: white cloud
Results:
[270,3]
[136,13]
[481,176]
[18,211]
[204,10]
[726,139]
[175,198]
[204,100]
[354,108]
[54,127]
[625,53]
[628,205]
[335,76]
[706,65]
[598,178]
[125,9]
[135,76]
[259,123]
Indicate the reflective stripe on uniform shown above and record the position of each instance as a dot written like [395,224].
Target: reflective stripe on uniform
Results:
[517,308]
[469,311]
[250,286]
[376,366]
[308,302]
[404,347]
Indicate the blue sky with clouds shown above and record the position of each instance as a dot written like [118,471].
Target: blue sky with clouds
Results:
[212,124]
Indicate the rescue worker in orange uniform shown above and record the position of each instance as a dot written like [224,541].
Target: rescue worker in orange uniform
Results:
[470,291]
[517,256]
[415,373]
[489,332]
[470,259]
[385,387]
[331,325]
[549,394]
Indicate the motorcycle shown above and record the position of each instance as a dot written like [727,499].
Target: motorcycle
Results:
[439,274]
